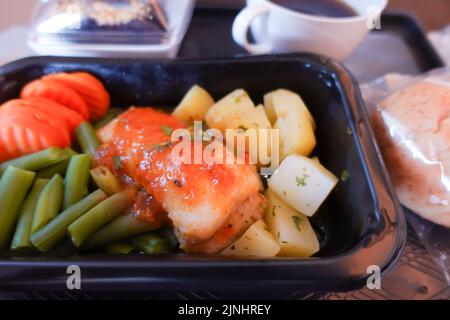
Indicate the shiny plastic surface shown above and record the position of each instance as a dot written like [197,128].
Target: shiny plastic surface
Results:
[412,125]
[110,27]
[113,21]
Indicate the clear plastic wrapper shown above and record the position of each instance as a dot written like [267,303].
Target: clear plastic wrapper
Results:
[95,27]
[411,120]
[441,41]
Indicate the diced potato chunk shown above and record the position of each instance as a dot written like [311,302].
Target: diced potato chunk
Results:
[256,241]
[292,229]
[302,183]
[268,105]
[296,134]
[228,112]
[194,105]
[255,119]
[281,102]
[287,111]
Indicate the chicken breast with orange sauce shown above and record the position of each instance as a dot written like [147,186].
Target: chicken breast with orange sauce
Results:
[209,204]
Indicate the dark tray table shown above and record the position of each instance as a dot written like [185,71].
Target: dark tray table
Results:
[400,46]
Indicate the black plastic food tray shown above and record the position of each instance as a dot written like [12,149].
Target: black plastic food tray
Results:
[361,224]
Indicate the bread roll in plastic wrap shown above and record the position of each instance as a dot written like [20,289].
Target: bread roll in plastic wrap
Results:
[413,130]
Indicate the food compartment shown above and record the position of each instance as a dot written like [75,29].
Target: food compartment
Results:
[342,221]
[348,220]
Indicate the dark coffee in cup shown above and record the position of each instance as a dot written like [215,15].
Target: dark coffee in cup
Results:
[324,8]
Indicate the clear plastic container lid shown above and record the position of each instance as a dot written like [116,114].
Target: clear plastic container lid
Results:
[110,22]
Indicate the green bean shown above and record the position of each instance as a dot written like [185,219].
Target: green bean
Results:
[76,181]
[120,228]
[48,173]
[21,238]
[105,180]
[87,138]
[36,161]
[58,168]
[169,236]
[150,243]
[46,238]
[119,247]
[112,114]
[14,186]
[49,203]
[97,217]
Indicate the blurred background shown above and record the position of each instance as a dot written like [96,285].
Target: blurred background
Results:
[432,14]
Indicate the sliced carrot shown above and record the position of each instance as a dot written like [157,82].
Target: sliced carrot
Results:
[12,150]
[58,92]
[20,108]
[18,116]
[89,88]
[51,108]
[28,121]
[22,133]
[2,150]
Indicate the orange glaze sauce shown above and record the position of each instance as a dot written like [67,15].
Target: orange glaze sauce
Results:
[138,131]
[143,206]
[142,148]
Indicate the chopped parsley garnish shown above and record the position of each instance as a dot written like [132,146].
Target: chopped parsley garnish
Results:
[117,163]
[162,145]
[242,128]
[301,181]
[238,98]
[345,175]
[297,220]
[159,147]
[167,130]
[285,242]
[177,183]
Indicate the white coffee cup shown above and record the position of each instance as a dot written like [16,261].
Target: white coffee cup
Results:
[279,29]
